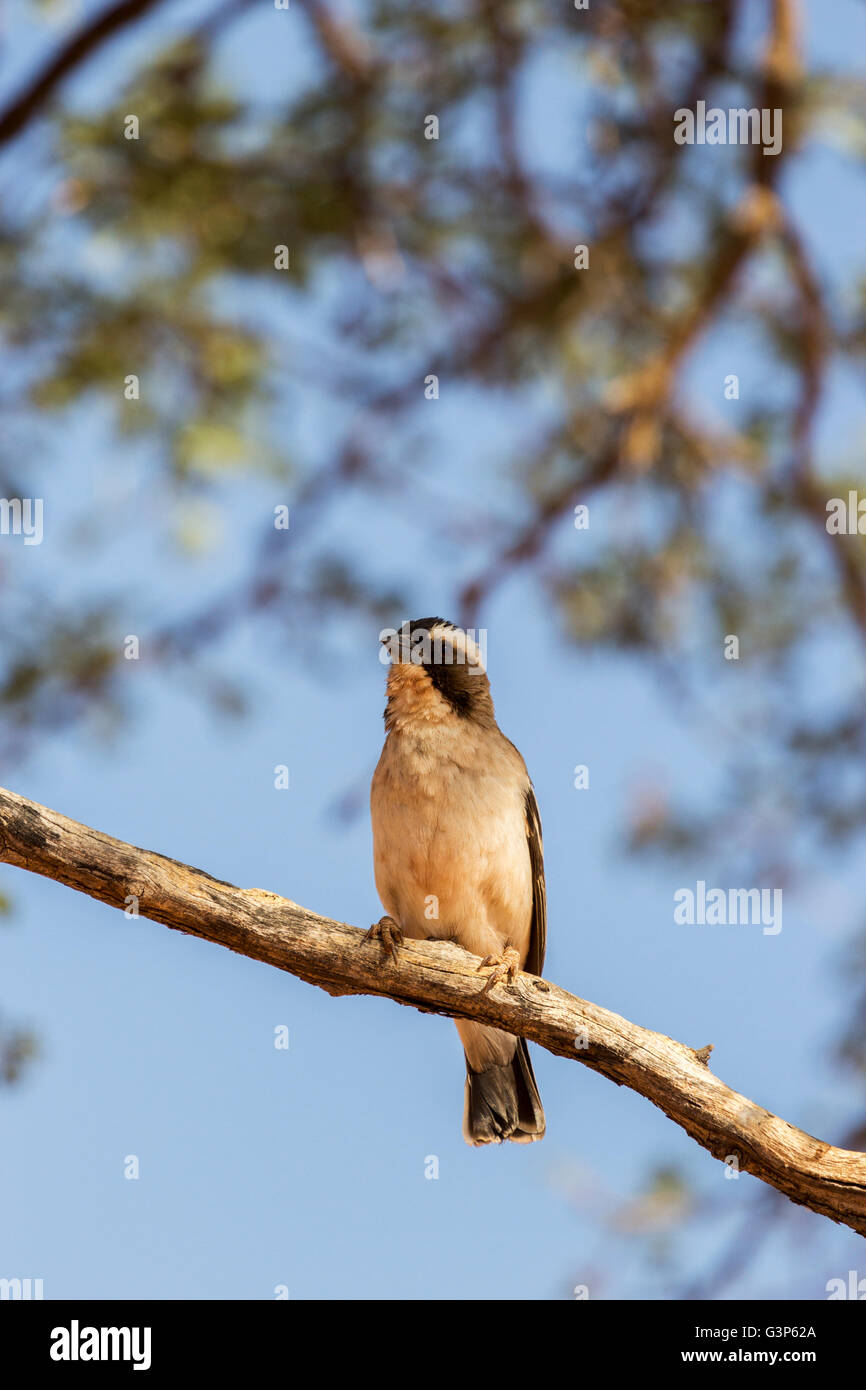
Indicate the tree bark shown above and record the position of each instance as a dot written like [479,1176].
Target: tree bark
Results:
[439,977]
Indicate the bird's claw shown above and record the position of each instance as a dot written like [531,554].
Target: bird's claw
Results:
[505,966]
[386,931]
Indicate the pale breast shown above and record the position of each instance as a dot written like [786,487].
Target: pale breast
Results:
[449,837]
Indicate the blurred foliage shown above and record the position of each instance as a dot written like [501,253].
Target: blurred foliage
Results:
[18,1048]
[456,257]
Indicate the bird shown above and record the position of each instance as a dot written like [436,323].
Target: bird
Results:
[457,851]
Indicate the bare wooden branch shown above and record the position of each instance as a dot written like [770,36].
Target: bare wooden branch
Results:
[441,978]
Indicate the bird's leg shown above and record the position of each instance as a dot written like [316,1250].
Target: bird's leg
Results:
[505,965]
[386,931]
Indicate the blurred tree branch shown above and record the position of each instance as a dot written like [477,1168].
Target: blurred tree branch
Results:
[441,978]
[80,46]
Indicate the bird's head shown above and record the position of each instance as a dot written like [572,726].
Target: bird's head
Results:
[437,671]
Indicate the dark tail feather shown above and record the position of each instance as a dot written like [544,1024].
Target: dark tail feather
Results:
[503,1102]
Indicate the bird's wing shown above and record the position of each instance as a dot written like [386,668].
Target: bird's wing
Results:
[538,930]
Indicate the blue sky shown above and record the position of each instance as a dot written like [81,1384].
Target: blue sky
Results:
[306,1168]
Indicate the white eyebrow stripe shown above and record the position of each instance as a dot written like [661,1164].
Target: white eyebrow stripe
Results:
[459,640]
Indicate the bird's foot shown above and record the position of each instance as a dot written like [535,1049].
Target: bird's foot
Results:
[386,931]
[505,966]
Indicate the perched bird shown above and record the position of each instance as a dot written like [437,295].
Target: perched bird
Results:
[457,851]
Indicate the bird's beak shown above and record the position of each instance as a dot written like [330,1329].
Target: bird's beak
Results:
[393,651]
